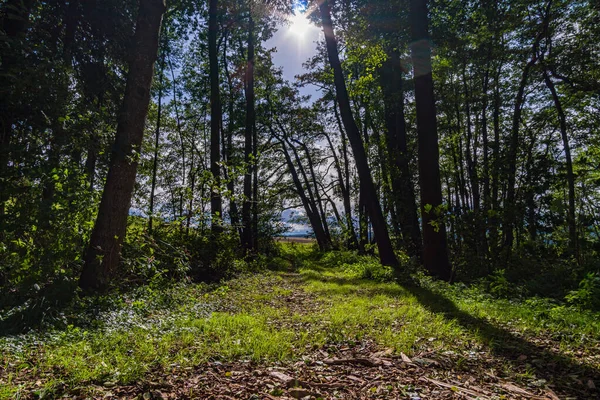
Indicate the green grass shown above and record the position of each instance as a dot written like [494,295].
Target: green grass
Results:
[275,316]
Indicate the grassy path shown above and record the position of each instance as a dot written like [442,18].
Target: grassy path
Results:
[315,329]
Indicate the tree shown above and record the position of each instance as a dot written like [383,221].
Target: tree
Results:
[215,117]
[367,188]
[103,253]
[435,251]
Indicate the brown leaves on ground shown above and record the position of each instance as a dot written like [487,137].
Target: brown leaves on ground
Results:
[360,372]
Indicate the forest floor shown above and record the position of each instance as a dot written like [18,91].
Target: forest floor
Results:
[315,329]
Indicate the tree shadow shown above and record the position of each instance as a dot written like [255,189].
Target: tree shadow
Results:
[566,375]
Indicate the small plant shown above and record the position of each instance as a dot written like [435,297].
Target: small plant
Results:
[588,293]
[499,284]
[369,268]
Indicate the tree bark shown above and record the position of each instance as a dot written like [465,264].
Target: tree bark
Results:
[215,119]
[435,251]
[396,140]
[386,252]
[102,255]
[247,239]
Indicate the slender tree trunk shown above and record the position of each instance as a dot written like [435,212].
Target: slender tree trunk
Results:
[313,216]
[156,144]
[102,255]
[352,242]
[511,162]
[363,223]
[247,240]
[386,252]
[486,161]
[228,148]
[348,226]
[509,204]
[318,199]
[573,240]
[495,200]
[181,144]
[435,251]
[215,119]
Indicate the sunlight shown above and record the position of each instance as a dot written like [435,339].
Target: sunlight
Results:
[299,25]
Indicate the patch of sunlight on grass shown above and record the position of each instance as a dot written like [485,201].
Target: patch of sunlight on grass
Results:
[384,312]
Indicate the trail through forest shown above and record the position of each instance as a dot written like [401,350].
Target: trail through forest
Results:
[316,329]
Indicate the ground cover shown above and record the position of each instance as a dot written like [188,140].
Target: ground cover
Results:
[312,327]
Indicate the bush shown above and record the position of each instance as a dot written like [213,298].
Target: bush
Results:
[588,293]
[367,267]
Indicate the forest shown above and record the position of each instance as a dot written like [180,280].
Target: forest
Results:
[158,165]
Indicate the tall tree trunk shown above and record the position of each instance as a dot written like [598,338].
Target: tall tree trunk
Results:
[352,241]
[347,225]
[215,119]
[396,140]
[181,143]
[486,160]
[228,146]
[435,251]
[102,255]
[573,240]
[509,204]
[156,144]
[511,162]
[247,240]
[386,252]
[495,200]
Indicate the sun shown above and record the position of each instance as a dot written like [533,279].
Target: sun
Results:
[299,25]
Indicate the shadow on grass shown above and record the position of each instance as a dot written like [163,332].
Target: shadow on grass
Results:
[53,307]
[564,374]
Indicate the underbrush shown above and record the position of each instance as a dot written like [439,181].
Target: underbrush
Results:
[118,339]
[494,300]
[171,254]
[309,302]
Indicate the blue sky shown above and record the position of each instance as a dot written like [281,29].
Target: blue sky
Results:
[295,43]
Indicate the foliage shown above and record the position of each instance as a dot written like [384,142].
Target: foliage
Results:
[161,329]
[588,293]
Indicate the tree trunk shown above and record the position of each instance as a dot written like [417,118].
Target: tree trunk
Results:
[352,241]
[311,212]
[435,251]
[511,162]
[347,224]
[403,191]
[102,255]
[317,196]
[386,253]
[228,147]
[156,144]
[215,119]
[573,240]
[509,206]
[247,240]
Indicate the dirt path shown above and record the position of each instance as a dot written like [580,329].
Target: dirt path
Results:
[338,371]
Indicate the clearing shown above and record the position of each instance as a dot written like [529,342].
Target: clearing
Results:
[314,328]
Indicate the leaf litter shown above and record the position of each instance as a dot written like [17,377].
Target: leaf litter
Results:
[361,370]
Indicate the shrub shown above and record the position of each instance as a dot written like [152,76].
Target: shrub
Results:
[588,293]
